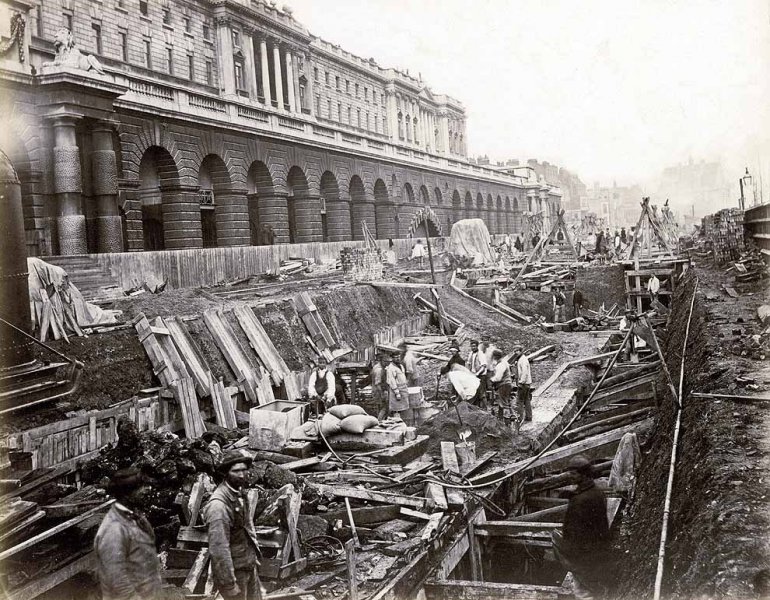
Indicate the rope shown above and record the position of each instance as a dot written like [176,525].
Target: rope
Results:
[672,465]
[43,344]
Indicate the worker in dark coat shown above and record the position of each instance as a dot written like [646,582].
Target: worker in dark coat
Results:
[454,348]
[232,539]
[127,564]
[583,543]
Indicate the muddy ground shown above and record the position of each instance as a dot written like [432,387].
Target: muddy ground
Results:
[718,543]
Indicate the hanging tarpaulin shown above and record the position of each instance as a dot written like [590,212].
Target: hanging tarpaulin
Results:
[424,215]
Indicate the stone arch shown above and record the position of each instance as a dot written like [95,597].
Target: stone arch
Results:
[468,206]
[18,152]
[304,209]
[166,215]
[335,212]
[214,196]
[267,213]
[424,196]
[361,208]
[408,195]
[384,211]
[438,196]
[479,214]
[500,216]
[508,216]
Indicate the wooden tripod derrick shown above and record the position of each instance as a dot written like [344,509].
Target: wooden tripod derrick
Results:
[648,227]
[558,226]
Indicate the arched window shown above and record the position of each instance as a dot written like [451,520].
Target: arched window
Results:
[400,126]
[408,128]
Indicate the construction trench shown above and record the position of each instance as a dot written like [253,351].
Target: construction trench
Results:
[410,510]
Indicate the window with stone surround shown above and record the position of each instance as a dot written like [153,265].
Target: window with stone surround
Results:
[315,73]
[206,30]
[358,117]
[209,73]
[166,15]
[148,53]
[337,82]
[376,124]
[67,20]
[97,29]
[144,8]
[240,83]
[329,109]
[170,60]
[357,91]
[187,24]
[236,38]
[339,112]
[347,86]
[366,94]
[123,35]
[326,77]
[191,66]
[350,116]
[318,106]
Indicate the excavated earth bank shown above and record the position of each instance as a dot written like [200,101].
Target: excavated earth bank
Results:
[717,541]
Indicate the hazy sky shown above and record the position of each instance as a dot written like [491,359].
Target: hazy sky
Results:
[611,89]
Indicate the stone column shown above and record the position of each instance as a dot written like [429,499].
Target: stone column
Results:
[265,68]
[295,81]
[251,68]
[310,91]
[444,133]
[232,218]
[290,82]
[226,66]
[278,76]
[70,220]
[274,211]
[307,211]
[181,211]
[104,181]
[385,214]
[392,116]
[338,220]
[363,211]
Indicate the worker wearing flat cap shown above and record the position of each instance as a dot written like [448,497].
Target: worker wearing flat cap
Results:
[127,564]
[584,541]
[232,540]
[455,359]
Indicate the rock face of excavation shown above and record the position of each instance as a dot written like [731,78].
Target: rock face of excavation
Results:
[719,506]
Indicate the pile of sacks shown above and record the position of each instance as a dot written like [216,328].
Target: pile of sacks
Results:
[343,418]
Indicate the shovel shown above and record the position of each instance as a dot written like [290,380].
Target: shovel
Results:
[463,432]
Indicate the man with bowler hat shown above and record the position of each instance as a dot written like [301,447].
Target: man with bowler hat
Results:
[232,539]
[127,564]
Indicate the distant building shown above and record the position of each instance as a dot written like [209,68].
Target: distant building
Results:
[618,206]
[694,188]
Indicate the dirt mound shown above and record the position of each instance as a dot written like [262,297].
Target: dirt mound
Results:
[601,284]
[488,432]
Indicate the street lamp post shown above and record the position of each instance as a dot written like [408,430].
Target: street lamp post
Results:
[745,182]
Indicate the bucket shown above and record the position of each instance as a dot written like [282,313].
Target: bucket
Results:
[416,398]
[466,456]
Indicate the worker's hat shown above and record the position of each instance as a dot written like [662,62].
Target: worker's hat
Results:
[125,481]
[233,457]
[581,465]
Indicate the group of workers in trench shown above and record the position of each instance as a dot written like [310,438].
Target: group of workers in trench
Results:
[126,560]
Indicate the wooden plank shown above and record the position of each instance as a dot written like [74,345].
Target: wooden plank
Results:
[435,492]
[350,561]
[302,463]
[366,515]
[476,590]
[161,364]
[371,495]
[199,567]
[563,453]
[231,350]
[190,353]
[223,406]
[41,585]
[414,514]
[261,343]
[196,497]
[169,349]
[511,528]
[53,531]
[449,457]
[568,365]
[184,393]
[431,526]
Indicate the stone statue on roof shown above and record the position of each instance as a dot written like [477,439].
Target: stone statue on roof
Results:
[69,55]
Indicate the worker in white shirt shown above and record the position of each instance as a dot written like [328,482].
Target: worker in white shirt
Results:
[524,385]
[419,252]
[477,364]
[321,387]
[409,360]
[653,287]
[397,388]
[501,380]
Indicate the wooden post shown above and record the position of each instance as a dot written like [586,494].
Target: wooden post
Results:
[350,560]
[430,253]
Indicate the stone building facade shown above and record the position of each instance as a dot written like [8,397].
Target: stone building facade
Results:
[210,120]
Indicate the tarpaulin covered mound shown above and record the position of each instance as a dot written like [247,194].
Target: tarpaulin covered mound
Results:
[470,237]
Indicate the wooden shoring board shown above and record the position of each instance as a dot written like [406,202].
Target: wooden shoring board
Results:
[568,365]
[456,589]
[264,389]
[188,349]
[222,403]
[262,343]
[313,321]
[556,455]
[228,344]
[166,342]
[184,392]
[40,585]
[161,365]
